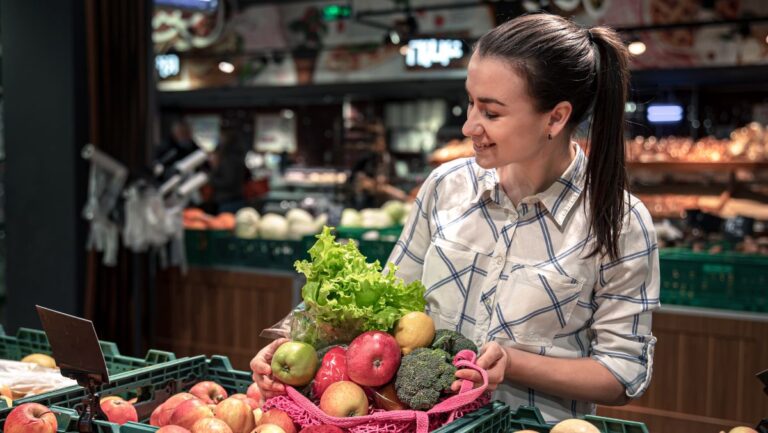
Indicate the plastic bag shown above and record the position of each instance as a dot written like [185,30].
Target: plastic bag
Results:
[26,379]
[301,325]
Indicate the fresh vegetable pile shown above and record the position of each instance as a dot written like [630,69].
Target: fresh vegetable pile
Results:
[344,295]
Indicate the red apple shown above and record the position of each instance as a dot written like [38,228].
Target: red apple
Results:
[237,414]
[164,417]
[154,419]
[172,429]
[254,392]
[373,358]
[119,411]
[344,399]
[210,425]
[209,392]
[268,428]
[187,413]
[294,363]
[30,418]
[254,404]
[332,369]
[278,418]
[321,429]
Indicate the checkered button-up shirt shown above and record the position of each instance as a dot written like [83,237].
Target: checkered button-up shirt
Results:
[519,275]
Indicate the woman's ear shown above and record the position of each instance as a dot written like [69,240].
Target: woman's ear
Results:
[558,118]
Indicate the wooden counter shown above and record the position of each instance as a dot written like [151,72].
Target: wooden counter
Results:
[221,311]
[703,372]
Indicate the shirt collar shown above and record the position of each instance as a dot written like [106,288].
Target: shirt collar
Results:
[558,199]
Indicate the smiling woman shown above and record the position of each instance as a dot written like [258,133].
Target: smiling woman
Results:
[530,248]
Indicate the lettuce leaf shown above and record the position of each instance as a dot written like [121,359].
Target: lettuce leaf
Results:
[344,291]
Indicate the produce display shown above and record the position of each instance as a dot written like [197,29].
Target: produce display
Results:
[747,144]
[207,408]
[249,224]
[391,213]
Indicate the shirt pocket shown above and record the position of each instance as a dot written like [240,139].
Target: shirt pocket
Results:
[449,270]
[533,305]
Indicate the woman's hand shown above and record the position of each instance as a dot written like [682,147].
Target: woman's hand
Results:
[493,358]
[262,370]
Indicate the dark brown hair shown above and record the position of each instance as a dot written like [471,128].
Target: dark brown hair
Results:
[562,61]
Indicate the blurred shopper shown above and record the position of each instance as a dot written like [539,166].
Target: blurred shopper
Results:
[228,172]
[180,144]
[370,178]
[531,249]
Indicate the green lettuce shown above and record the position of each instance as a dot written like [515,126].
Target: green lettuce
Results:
[345,295]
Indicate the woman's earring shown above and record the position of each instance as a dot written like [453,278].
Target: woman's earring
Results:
[549,136]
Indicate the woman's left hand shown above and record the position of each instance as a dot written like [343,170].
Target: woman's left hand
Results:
[493,358]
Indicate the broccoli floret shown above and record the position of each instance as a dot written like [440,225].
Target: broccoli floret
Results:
[452,342]
[423,376]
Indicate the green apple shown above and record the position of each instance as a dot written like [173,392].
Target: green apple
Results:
[294,363]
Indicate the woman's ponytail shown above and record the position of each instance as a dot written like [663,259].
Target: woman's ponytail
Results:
[606,170]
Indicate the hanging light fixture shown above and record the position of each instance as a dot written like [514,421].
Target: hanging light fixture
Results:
[636,46]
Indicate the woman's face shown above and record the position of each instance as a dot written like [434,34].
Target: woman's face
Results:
[502,120]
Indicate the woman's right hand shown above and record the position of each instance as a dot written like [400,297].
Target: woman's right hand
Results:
[262,370]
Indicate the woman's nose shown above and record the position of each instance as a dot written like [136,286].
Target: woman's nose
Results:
[471,128]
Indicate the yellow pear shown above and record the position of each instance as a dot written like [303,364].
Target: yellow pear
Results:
[414,330]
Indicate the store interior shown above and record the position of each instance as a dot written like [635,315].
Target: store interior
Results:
[164,164]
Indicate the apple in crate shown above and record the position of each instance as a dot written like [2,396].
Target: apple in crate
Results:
[254,404]
[279,418]
[189,412]
[344,399]
[30,418]
[161,416]
[373,358]
[254,392]
[268,428]
[118,410]
[209,392]
[294,363]
[210,425]
[172,429]
[237,414]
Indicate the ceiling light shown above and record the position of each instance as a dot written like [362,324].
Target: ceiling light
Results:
[394,37]
[226,67]
[636,47]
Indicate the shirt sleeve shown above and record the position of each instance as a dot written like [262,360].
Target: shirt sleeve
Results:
[408,254]
[625,295]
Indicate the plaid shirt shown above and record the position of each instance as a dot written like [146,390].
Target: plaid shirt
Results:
[519,276]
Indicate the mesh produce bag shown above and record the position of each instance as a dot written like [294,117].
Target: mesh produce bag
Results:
[305,413]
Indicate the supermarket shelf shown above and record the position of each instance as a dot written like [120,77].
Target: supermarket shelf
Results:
[697,167]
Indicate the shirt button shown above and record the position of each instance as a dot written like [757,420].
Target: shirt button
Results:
[499,260]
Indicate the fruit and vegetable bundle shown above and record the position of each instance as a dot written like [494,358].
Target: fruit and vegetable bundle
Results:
[344,295]
[363,355]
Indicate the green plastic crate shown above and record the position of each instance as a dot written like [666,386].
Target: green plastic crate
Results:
[229,250]
[529,418]
[491,418]
[728,280]
[28,341]
[197,244]
[152,385]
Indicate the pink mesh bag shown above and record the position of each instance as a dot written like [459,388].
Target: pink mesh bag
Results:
[468,399]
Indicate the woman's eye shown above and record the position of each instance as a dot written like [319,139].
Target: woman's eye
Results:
[490,115]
